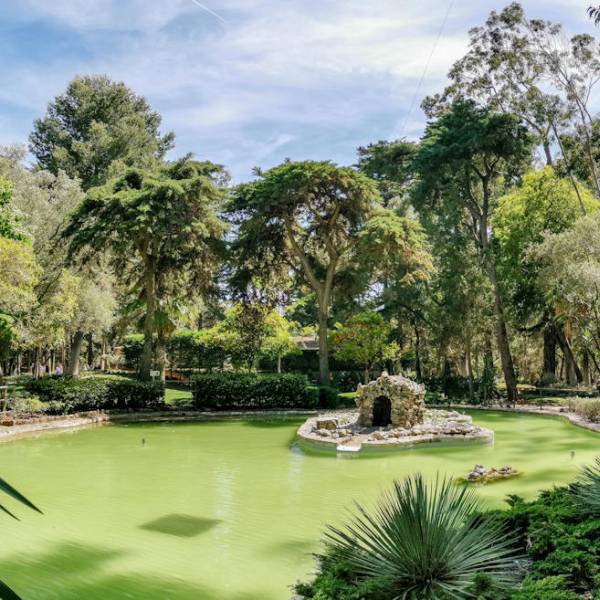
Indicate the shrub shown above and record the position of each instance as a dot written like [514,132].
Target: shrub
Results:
[328,397]
[252,391]
[96,393]
[425,541]
[346,381]
[586,490]
[26,404]
[586,408]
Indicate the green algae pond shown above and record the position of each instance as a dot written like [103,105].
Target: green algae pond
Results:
[227,510]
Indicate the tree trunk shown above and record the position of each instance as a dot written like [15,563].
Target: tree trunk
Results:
[73,366]
[323,349]
[469,365]
[146,358]
[573,372]
[418,372]
[506,360]
[161,356]
[103,357]
[585,368]
[90,350]
[279,363]
[549,370]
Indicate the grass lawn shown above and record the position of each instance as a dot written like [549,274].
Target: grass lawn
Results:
[176,395]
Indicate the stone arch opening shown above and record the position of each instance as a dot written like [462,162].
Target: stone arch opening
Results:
[382,411]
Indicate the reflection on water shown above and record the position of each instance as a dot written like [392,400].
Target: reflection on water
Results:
[223,510]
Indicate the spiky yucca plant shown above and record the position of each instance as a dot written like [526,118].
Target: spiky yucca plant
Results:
[5,592]
[428,541]
[586,490]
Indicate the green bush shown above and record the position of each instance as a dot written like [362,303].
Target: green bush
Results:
[68,395]
[346,381]
[252,391]
[586,408]
[328,397]
[561,542]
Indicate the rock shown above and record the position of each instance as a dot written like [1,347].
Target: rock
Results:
[404,398]
[330,424]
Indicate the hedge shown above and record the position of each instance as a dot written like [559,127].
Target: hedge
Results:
[252,391]
[66,394]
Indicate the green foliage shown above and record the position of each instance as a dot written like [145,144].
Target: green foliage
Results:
[425,541]
[307,215]
[336,580]
[364,339]
[328,397]
[586,408]
[133,345]
[346,381]
[390,165]
[96,393]
[224,391]
[561,540]
[96,128]
[9,225]
[161,231]
[543,203]
[586,490]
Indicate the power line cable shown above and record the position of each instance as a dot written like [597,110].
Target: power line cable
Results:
[427,64]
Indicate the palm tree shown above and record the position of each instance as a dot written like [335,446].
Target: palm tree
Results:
[5,592]
[594,13]
[428,541]
[586,490]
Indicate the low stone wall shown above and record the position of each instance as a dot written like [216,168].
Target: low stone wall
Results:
[39,425]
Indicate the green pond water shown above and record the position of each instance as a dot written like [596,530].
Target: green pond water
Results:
[224,510]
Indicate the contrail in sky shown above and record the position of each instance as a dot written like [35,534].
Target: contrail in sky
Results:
[210,12]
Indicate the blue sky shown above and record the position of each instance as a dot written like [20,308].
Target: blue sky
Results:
[249,82]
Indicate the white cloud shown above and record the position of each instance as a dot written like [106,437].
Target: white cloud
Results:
[296,77]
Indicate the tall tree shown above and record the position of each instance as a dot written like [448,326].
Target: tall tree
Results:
[304,218]
[466,157]
[543,203]
[163,236]
[97,127]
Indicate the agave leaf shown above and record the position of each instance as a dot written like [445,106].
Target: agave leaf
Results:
[6,593]
[586,489]
[427,540]
[10,490]
[4,509]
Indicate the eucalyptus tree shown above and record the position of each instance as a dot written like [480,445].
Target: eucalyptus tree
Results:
[467,157]
[569,276]
[503,70]
[528,67]
[95,313]
[302,219]
[97,127]
[543,203]
[162,234]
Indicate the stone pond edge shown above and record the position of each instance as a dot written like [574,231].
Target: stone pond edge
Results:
[82,420]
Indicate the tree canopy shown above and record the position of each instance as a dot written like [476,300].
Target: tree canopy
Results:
[95,129]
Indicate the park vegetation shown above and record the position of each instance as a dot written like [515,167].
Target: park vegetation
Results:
[468,259]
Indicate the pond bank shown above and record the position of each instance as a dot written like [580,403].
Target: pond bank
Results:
[38,425]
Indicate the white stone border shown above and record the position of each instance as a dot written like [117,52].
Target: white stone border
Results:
[83,420]
[350,444]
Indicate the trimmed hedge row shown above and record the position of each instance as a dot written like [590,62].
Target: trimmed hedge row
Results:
[66,394]
[253,391]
